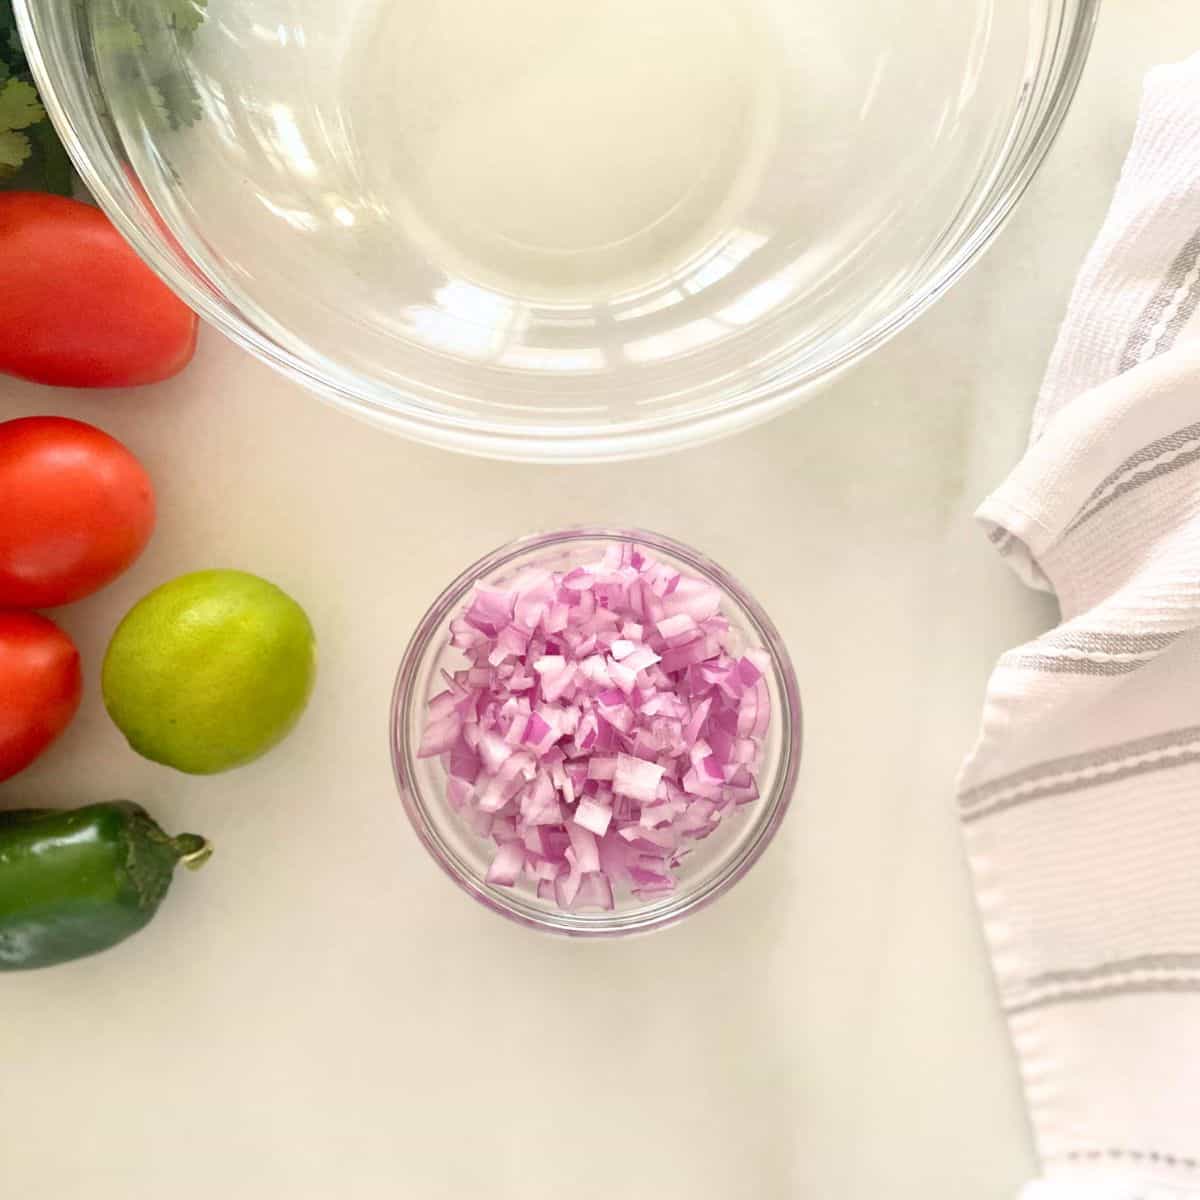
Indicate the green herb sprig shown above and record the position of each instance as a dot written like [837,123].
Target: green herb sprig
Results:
[141,43]
[30,153]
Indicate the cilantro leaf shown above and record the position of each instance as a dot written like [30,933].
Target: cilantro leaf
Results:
[31,155]
[158,104]
[19,105]
[185,16]
[181,101]
[19,109]
[142,45]
[14,151]
[112,36]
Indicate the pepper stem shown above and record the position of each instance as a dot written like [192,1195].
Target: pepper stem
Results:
[193,850]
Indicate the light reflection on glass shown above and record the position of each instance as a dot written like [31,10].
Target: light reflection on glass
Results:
[291,142]
[872,92]
[264,33]
[679,341]
[542,358]
[467,320]
[653,305]
[760,300]
[980,45]
[573,316]
[297,218]
[473,304]
[738,247]
[439,331]
[718,262]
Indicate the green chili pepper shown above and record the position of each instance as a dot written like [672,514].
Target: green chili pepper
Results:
[78,881]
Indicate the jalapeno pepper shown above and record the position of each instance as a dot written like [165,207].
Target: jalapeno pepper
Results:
[74,882]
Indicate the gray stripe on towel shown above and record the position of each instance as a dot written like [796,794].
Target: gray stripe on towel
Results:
[1140,478]
[1085,770]
[1122,966]
[1156,449]
[1090,652]
[1094,641]
[1078,785]
[1185,262]
[1130,988]
[1048,665]
[1154,1156]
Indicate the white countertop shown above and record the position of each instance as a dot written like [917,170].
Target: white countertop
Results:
[321,1014]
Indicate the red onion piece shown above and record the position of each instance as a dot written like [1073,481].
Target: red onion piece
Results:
[637,779]
[595,891]
[507,865]
[440,736]
[593,816]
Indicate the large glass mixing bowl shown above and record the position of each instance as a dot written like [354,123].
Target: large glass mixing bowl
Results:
[558,229]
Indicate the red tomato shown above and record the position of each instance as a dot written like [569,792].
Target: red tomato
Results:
[40,686]
[78,308]
[76,508]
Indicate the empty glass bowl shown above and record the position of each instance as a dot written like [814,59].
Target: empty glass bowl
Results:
[711,866]
[558,229]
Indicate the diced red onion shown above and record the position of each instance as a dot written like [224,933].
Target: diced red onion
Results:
[640,659]
[637,778]
[595,891]
[593,816]
[566,888]
[583,842]
[604,719]
[494,751]
[601,767]
[458,793]
[508,864]
[623,675]
[440,736]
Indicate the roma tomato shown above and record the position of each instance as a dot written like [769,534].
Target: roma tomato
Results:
[78,308]
[40,686]
[76,508]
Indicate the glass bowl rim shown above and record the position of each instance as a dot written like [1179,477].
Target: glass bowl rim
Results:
[405,699]
[406,413]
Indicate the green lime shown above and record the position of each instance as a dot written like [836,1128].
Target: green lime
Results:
[209,671]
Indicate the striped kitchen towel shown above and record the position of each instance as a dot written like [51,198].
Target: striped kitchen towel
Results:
[1081,803]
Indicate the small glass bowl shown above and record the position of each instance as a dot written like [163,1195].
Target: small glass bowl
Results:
[714,864]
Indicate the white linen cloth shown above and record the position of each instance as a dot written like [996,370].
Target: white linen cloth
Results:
[1081,803]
